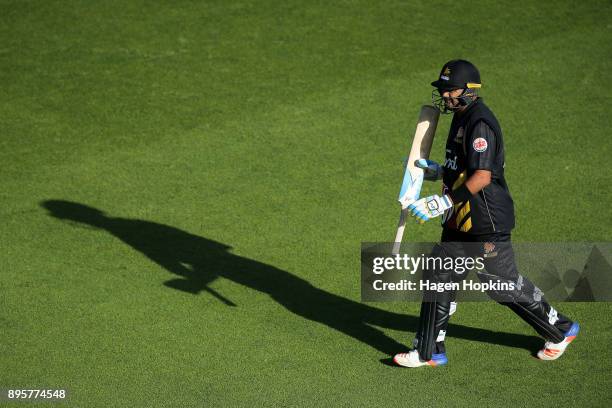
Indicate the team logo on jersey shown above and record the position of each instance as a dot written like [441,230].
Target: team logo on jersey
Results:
[489,250]
[480,145]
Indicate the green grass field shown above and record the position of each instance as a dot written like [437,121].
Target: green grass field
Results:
[251,147]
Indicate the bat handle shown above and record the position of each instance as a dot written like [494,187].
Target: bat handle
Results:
[400,232]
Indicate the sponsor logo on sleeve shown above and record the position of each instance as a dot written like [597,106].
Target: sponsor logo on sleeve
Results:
[480,145]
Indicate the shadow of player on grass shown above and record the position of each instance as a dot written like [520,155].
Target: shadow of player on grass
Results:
[198,261]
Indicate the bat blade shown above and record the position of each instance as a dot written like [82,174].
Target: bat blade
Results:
[413,176]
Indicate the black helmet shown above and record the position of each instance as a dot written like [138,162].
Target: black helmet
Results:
[458,74]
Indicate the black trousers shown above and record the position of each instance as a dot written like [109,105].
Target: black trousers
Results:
[496,251]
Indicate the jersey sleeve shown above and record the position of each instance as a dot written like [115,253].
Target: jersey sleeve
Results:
[481,147]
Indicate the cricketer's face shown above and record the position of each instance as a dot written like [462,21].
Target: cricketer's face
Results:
[450,98]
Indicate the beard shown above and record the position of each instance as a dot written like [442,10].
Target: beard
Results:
[452,103]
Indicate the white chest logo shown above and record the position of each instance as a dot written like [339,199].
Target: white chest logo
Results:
[451,163]
[480,145]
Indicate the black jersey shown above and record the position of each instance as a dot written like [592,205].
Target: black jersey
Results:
[475,143]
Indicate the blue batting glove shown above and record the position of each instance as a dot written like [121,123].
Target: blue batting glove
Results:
[433,171]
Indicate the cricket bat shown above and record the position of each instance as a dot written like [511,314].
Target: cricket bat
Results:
[413,176]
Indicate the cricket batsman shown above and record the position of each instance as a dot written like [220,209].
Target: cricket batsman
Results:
[477,219]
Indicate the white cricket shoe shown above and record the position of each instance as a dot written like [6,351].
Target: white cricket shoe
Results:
[553,351]
[412,359]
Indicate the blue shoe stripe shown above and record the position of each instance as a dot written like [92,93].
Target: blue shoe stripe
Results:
[573,331]
[439,359]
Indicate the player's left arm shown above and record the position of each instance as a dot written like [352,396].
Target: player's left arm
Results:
[480,149]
